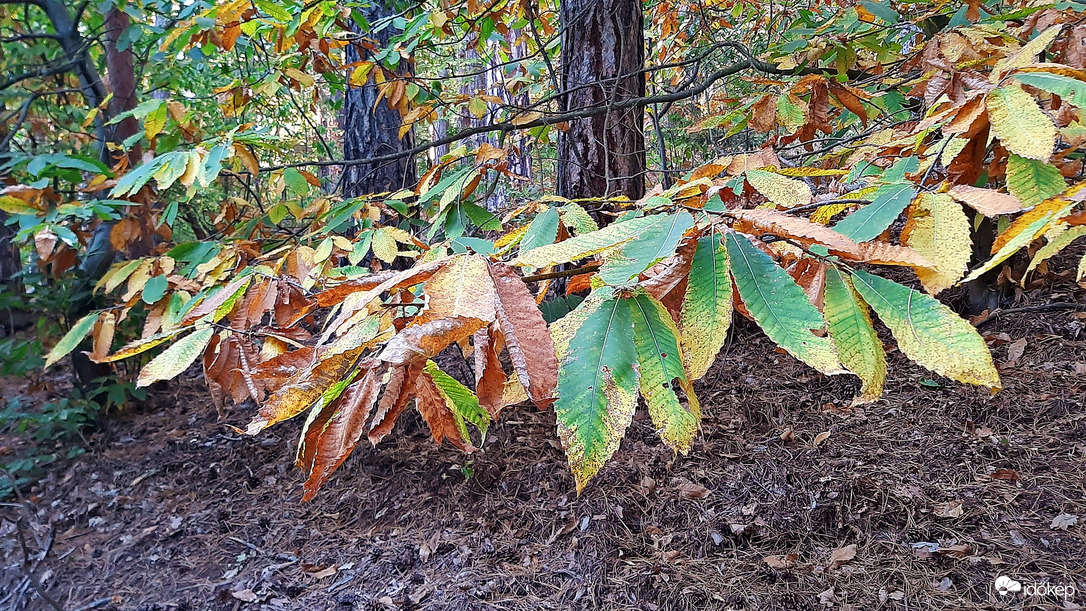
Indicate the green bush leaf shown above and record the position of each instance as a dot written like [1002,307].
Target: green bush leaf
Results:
[779,306]
[71,339]
[928,332]
[661,364]
[707,307]
[852,332]
[176,358]
[656,243]
[597,388]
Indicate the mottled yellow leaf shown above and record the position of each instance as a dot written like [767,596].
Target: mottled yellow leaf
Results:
[1020,124]
[938,229]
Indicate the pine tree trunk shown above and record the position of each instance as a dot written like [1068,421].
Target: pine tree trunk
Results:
[370,127]
[603,51]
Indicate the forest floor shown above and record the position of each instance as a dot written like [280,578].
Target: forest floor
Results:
[789,500]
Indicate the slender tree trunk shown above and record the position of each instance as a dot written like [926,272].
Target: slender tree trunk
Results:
[370,127]
[603,51]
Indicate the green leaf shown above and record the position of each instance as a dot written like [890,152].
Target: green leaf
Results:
[597,388]
[542,231]
[575,217]
[1033,181]
[928,332]
[661,364]
[854,335]
[296,183]
[71,339]
[871,220]
[463,404]
[176,358]
[654,244]
[779,305]
[154,289]
[707,306]
[586,244]
[1069,89]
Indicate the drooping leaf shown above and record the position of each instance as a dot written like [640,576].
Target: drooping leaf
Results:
[176,358]
[587,244]
[72,338]
[1023,231]
[928,332]
[779,306]
[651,246]
[1020,124]
[425,340]
[527,338]
[1033,181]
[460,401]
[333,431]
[872,219]
[939,230]
[661,364]
[707,306]
[302,390]
[1055,245]
[597,388]
[854,336]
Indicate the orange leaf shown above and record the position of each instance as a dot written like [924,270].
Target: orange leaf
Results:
[527,338]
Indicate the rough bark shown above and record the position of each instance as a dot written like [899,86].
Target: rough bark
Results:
[370,127]
[603,51]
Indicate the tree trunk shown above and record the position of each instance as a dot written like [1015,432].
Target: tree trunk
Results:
[603,52]
[370,127]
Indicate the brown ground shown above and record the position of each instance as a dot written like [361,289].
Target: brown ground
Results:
[939,487]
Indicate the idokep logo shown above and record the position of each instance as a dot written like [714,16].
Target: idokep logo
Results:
[1006,586]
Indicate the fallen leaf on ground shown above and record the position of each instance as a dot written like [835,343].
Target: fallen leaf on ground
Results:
[1015,352]
[782,562]
[1064,521]
[245,595]
[693,491]
[821,437]
[950,509]
[842,555]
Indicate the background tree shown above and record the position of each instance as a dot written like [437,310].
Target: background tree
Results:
[603,53]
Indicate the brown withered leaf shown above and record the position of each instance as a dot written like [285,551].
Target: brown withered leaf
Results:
[810,275]
[436,413]
[229,365]
[103,333]
[692,491]
[334,433]
[763,114]
[276,370]
[795,228]
[425,340]
[527,338]
[489,376]
[848,98]
[302,390]
[842,555]
[985,201]
[781,562]
[883,253]
[398,391]
[461,289]
[336,294]
[1006,474]
[355,302]
[950,509]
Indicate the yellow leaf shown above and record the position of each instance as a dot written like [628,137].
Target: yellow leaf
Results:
[938,229]
[176,358]
[1027,55]
[384,245]
[461,289]
[780,190]
[1020,124]
[300,76]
